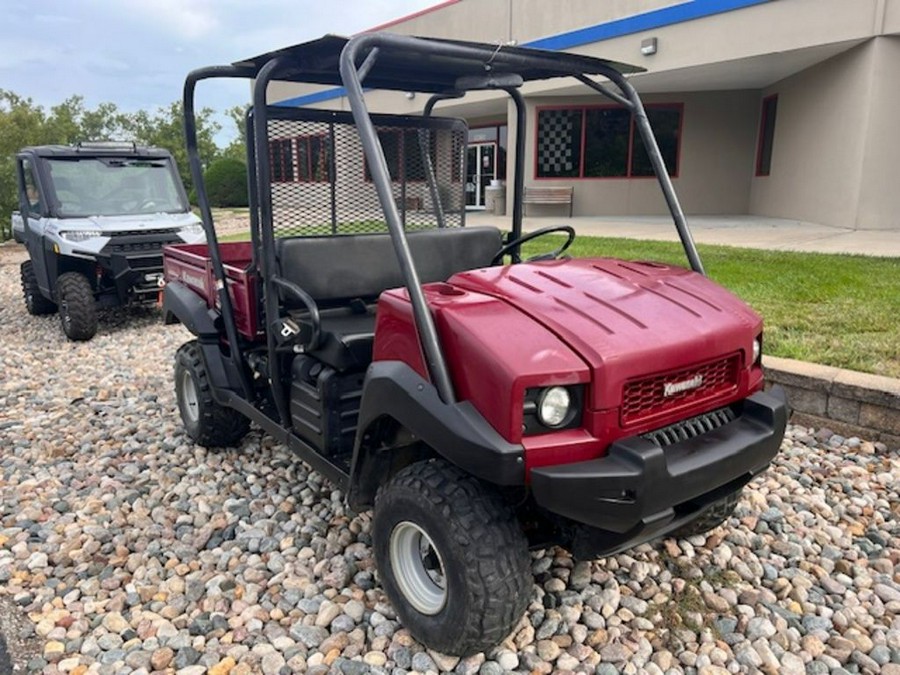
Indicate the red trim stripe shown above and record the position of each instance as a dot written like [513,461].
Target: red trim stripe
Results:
[414,15]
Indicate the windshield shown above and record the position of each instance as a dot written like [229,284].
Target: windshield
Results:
[115,186]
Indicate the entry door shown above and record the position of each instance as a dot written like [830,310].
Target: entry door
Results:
[481,168]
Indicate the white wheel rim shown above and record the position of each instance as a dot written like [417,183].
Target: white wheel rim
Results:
[418,568]
[189,396]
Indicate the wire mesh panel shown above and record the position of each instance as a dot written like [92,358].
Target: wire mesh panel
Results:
[321,183]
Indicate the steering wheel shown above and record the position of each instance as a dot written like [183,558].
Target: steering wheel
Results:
[146,204]
[552,255]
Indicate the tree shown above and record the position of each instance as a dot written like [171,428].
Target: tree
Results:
[21,123]
[164,128]
[226,183]
[237,149]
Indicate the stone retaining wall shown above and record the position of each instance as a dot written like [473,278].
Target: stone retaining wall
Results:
[849,403]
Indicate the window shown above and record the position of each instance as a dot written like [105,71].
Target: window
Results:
[402,151]
[282,158]
[602,142]
[32,194]
[313,158]
[766,135]
[607,134]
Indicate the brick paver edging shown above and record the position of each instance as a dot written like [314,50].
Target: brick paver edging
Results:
[845,401]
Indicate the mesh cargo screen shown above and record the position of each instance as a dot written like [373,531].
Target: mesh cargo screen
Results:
[321,183]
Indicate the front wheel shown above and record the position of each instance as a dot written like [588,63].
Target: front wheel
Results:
[452,557]
[35,303]
[77,308]
[206,422]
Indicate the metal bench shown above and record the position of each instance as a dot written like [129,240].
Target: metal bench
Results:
[560,194]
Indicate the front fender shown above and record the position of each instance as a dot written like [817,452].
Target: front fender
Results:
[182,304]
[457,432]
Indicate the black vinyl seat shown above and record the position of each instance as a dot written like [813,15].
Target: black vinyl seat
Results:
[346,274]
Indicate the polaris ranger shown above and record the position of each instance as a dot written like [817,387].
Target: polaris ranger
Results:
[480,404]
[96,217]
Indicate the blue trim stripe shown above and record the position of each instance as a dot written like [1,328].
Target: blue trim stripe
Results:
[316,97]
[657,18]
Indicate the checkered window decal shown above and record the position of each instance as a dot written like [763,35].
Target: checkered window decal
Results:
[559,143]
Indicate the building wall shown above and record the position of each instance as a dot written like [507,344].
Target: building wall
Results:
[718,134]
[879,196]
[838,85]
[819,143]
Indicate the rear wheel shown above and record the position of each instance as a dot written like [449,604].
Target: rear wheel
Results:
[717,514]
[35,303]
[206,422]
[77,308]
[452,557]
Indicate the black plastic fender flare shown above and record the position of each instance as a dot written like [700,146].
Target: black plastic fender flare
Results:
[456,431]
[182,304]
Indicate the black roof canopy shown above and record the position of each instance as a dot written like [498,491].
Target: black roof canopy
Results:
[413,66]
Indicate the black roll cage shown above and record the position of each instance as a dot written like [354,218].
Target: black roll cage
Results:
[443,68]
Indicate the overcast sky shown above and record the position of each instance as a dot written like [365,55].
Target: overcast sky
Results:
[136,53]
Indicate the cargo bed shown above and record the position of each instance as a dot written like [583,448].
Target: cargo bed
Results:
[191,265]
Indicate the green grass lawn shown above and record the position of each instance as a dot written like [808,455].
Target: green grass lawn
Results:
[837,310]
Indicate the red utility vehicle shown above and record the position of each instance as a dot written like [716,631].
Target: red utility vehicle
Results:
[480,407]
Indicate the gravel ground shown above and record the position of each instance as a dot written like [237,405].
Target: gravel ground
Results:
[125,548]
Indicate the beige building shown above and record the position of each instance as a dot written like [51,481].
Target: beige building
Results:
[782,108]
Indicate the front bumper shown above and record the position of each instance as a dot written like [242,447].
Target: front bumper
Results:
[134,262]
[640,491]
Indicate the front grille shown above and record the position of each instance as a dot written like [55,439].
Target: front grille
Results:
[135,247]
[651,396]
[145,233]
[687,429]
[141,242]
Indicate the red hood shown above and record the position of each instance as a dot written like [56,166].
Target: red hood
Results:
[625,319]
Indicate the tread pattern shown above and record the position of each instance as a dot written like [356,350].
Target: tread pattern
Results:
[35,303]
[218,426]
[77,308]
[715,516]
[488,543]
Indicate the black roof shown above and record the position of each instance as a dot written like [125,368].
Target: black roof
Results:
[417,64]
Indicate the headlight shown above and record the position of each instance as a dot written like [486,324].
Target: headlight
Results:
[554,407]
[757,349]
[192,230]
[80,235]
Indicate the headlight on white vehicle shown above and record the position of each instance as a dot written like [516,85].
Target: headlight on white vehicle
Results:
[192,230]
[80,235]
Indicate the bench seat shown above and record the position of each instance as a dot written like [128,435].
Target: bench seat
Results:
[557,194]
[346,274]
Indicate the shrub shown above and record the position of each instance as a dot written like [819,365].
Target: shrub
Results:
[226,183]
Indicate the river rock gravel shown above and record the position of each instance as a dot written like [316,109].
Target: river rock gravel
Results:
[125,548]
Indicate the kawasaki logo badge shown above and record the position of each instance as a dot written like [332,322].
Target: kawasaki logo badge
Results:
[672,388]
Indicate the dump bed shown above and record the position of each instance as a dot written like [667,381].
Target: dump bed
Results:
[191,265]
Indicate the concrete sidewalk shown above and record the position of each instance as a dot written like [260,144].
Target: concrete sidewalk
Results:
[745,231]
